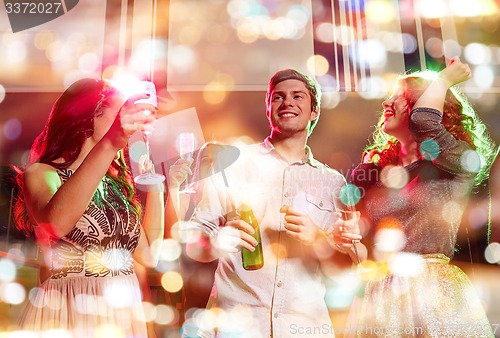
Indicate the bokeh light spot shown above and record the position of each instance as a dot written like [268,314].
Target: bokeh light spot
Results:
[429,149]
[171,250]
[492,253]
[12,129]
[12,293]
[407,264]
[471,161]
[7,270]
[171,281]
[394,177]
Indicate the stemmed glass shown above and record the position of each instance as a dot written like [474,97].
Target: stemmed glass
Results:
[186,149]
[148,176]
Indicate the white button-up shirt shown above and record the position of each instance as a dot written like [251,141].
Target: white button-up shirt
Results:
[285,298]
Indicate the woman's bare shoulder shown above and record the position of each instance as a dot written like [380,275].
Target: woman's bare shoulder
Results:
[37,173]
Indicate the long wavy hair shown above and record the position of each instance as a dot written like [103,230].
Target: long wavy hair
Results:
[459,118]
[70,123]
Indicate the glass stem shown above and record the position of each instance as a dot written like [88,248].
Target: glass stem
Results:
[146,136]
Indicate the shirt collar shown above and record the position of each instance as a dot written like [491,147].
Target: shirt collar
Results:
[266,147]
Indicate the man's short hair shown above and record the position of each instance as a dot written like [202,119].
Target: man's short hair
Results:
[311,84]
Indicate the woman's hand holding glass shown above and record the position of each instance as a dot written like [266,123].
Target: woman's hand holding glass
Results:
[179,172]
[130,119]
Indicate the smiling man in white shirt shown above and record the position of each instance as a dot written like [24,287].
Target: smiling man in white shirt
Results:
[291,195]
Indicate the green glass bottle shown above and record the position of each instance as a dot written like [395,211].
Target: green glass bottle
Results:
[251,260]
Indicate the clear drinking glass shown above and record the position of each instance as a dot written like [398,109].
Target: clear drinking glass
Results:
[344,200]
[148,176]
[186,148]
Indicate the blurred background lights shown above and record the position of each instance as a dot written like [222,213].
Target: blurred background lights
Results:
[434,46]
[171,250]
[394,177]
[165,314]
[118,294]
[429,149]
[344,35]
[181,58]
[477,218]
[145,312]
[59,333]
[43,39]
[171,281]
[372,53]
[7,270]
[432,8]
[380,11]
[471,161]
[324,32]
[12,129]
[483,76]
[89,63]
[15,52]
[350,194]
[477,54]
[341,290]
[376,88]
[330,100]
[407,264]
[299,15]
[390,240]
[318,65]
[107,331]
[409,43]
[467,8]
[24,334]
[116,259]
[492,253]
[451,48]
[12,293]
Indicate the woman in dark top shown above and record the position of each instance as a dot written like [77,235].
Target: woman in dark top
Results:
[428,152]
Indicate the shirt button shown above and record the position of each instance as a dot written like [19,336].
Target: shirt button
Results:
[287,194]
[275,315]
[279,284]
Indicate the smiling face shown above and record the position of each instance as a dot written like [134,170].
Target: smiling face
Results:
[289,109]
[396,116]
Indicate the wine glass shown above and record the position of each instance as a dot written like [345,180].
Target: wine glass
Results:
[344,200]
[186,149]
[148,175]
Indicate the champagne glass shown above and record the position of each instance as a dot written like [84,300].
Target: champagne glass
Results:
[186,149]
[344,202]
[148,175]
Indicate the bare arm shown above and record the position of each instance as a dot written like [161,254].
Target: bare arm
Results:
[58,207]
[152,232]
[435,94]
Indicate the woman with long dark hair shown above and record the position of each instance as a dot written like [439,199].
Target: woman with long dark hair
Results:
[428,152]
[77,200]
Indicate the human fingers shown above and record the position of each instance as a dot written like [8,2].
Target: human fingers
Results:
[288,210]
[456,72]
[231,239]
[290,218]
[292,227]
[241,225]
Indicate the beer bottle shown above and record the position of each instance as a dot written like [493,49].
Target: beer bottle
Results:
[251,260]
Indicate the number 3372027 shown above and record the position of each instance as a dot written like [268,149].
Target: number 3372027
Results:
[34,8]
